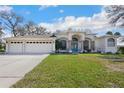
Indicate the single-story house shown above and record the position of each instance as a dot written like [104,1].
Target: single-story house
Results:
[65,41]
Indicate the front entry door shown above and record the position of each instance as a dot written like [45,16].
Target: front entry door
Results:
[74,46]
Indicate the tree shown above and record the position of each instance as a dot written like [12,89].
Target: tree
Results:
[109,33]
[117,34]
[32,29]
[41,30]
[1,30]
[20,31]
[115,13]
[11,21]
[121,50]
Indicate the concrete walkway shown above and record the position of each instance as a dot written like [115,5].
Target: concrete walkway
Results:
[14,67]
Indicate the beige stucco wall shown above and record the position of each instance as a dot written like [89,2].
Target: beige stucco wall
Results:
[111,49]
[101,44]
[68,36]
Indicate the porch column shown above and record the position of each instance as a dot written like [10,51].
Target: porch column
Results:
[53,47]
[7,46]
[69,46]
[82,45]
[23,47]
[92,46]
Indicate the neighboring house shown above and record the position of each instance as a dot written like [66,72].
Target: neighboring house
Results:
[65,41]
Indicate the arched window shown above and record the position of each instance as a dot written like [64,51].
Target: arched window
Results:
[86,45]
[60,44]
[63,44]
[111,42]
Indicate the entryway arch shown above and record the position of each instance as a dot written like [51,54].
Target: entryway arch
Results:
[87,45]
[75,43]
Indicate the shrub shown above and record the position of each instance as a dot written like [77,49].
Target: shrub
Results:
[121,50]
[2,48]
[109,53]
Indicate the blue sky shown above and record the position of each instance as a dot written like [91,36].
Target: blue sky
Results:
[62,17]
[48,14]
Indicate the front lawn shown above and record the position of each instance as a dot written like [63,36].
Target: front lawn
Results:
[72,71]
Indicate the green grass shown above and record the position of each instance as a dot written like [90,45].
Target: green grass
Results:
[72,71]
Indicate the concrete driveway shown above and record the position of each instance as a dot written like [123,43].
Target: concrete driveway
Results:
[14,67]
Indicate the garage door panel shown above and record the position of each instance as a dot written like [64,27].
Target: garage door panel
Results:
[30,47]
[15,48]
[38,48]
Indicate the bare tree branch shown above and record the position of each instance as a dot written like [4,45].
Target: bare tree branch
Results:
[115,13]
[11,20]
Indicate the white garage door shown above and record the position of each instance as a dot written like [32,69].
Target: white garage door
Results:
[15,47]
[38,47]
